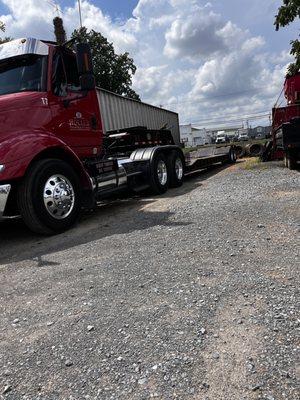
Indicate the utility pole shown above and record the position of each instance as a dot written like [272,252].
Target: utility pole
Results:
[79,8]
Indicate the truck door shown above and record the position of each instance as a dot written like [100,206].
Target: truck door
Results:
[76,116]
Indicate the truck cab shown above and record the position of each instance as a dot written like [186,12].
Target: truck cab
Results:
[41,81]
[221,137]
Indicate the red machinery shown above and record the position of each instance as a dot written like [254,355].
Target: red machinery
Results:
[286,126]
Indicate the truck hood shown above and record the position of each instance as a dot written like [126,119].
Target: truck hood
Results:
[13,101]
[21,114]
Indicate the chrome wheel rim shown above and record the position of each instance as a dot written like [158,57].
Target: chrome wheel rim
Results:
[59,196]
[162,173]
[179,169]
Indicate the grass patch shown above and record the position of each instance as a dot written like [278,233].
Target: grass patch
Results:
[252,163]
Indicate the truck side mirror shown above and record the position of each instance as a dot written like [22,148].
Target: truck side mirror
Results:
[85,66]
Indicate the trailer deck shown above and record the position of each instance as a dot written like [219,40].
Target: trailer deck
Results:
[206,156]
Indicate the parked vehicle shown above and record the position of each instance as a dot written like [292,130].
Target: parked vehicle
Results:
[243,137]
[285,142]
[221,137]
[64,144]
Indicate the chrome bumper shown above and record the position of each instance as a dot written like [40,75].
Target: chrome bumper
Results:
[4,192]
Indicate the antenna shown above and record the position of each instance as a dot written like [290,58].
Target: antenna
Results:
[79,9]
[56,7]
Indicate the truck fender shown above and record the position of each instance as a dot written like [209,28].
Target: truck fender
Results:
[146,156]
[24,148]
[66,154]
[148,153]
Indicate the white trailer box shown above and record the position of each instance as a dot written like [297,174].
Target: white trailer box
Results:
[120,112]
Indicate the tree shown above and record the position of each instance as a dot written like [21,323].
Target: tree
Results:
[59,31]
[287,13]
[5,39]
[112,71]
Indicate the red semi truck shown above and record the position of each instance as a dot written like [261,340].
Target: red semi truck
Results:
[57,158]
[286,126]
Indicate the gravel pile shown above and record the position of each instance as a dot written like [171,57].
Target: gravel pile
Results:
[191,295]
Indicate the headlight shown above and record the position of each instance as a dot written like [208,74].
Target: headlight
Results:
[2,167]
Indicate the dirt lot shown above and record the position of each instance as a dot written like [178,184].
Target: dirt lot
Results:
[191,295]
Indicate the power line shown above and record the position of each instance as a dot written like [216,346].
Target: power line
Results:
[235,116]
[212,97]
[279,96]
[245,116]
[230,121]
[233,119]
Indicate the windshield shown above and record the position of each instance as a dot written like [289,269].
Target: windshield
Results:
[23,74]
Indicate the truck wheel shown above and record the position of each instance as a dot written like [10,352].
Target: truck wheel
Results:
[159,176]
[49,197]
[290,161]
[176,168]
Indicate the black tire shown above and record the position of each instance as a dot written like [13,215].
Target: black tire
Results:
[290,161]
[176,167]
[31,197]
[157,185]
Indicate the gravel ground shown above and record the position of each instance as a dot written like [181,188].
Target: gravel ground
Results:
[191,295]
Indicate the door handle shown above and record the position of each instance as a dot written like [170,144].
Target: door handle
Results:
[94,122]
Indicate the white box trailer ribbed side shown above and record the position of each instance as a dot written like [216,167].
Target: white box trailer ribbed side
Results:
[120,112]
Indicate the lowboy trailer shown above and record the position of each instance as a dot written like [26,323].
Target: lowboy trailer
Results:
[65,144]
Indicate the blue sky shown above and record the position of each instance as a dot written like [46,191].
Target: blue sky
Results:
[205,60]
[115,8]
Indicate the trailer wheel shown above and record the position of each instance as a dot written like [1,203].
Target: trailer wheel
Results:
[176,168]
[290,161]
[49,197]
[159,175]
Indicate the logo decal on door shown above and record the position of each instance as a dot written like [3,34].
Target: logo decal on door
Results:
[78,123]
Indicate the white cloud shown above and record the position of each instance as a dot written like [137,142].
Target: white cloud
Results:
[162,85]
[232,35]
[189,57]
[28,16]
[194,35]
[252,44]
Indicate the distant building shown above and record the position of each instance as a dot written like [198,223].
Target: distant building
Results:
[191,136]
[260,132]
